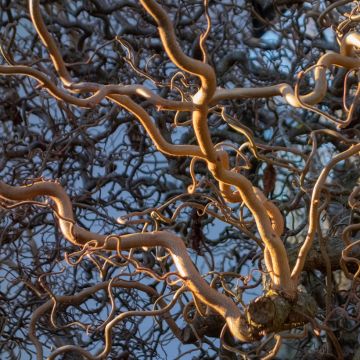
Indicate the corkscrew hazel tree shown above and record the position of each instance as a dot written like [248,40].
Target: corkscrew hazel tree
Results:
[152,126]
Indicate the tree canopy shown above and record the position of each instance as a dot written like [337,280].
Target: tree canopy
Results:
[179,179]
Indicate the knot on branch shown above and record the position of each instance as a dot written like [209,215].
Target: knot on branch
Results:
[273,312]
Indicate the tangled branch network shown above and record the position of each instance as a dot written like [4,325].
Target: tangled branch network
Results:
[286,310]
